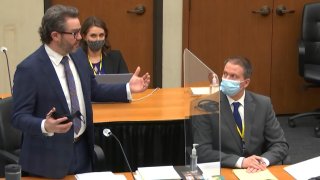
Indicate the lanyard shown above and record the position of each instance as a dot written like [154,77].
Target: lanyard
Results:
[100,66]
[241,133]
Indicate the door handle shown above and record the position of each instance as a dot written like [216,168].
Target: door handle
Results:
[138,10]
[281,10]
[263,11]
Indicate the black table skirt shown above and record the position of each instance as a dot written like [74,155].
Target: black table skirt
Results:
[151,143]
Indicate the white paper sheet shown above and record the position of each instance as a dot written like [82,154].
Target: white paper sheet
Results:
[99,176]
[158,172]
[210,169]
[305,170]
[203,90]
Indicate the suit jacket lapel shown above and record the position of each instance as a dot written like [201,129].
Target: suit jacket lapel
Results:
[228,119]
[107,63]
[249,110]
[50,73]
[76,58]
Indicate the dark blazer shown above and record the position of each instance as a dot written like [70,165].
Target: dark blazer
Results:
[263,134]
[113,63]
[36,90]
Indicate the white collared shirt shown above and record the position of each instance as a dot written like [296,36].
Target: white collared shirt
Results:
[241,107]
[59,68]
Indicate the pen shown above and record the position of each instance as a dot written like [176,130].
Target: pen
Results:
[261,162]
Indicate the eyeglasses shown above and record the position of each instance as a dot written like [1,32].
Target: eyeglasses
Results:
[75,34]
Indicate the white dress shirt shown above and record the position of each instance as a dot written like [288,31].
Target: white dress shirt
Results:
[59,68]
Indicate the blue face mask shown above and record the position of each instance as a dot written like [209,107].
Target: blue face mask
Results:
[230,87]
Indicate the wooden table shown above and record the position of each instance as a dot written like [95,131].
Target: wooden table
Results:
[165,109]
[4,95]
[162,105]
[156,118]
[277,171]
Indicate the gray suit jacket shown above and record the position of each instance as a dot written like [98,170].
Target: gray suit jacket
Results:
[263,134]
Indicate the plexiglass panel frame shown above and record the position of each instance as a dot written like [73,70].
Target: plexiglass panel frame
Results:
[202,127]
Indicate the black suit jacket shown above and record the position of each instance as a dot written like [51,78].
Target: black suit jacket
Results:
[113,63]
[36,90]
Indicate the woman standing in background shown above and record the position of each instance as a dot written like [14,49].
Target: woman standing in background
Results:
[95,44]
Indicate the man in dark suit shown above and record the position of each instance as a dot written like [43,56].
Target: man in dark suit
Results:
[256,140]
[57,78]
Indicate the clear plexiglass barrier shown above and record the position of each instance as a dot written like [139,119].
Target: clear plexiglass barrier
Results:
[202,127]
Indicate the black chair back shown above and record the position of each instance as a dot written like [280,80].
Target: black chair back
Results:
[310,22]
[309,48]
[10,138]
[309,55]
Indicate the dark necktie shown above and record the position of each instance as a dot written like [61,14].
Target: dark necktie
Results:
[73,93]
[236,115]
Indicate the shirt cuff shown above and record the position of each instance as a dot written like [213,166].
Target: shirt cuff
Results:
[266,161]
[44,129]
[239,162]
[128,92]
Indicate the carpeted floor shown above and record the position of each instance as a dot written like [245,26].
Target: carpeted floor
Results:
[302,140]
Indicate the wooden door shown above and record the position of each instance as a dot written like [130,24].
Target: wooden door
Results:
[130,33]
[218,29]
[287,87]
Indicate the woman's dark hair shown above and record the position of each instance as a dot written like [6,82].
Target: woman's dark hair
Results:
[54,20]
[87,24]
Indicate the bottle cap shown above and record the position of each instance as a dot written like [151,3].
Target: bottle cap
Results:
[194,151]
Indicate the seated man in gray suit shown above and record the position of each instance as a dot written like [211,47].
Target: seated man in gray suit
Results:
[251,136]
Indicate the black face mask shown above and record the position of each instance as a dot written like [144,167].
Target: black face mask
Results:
[95,45]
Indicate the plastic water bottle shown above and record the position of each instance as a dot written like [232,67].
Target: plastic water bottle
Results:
[193,159]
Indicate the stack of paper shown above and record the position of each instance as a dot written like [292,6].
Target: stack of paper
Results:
[158,172]
[99,175]
[210,169]
[261,175]
[305,169]
[204,90]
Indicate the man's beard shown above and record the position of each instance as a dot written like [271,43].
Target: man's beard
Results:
[68,47]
